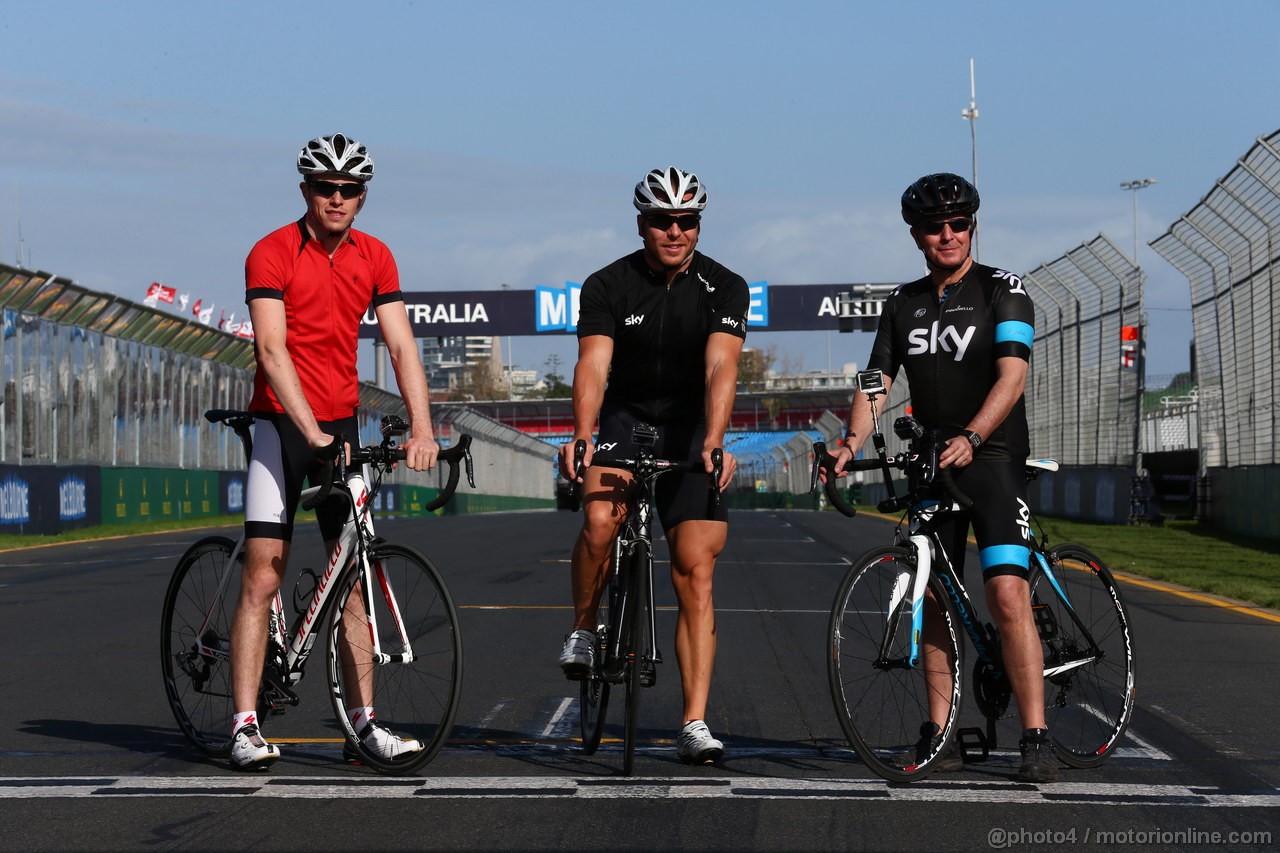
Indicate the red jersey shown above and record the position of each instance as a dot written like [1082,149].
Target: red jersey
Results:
[324,300]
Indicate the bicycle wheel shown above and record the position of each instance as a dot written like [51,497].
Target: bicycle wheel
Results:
[635,644]
[195,643]
[1090,689]
[595,688]
[415,686]
[880,699]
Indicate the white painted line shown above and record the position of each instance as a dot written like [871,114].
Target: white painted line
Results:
[276,786]
[565,704]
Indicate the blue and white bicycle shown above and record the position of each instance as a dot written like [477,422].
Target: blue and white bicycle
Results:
[886,670]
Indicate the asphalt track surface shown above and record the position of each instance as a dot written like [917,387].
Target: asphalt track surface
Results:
[91,759]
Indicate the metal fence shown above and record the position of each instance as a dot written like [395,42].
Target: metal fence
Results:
[1084,388]
[1227,248]
[95,379]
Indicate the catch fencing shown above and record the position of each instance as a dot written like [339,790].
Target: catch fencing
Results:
[1227,247]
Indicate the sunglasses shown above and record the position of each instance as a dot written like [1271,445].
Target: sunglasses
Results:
[664,221]
[326,189]
[958,226]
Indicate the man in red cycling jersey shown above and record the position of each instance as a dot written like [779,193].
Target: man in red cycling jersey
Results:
[659,336]
[307,285]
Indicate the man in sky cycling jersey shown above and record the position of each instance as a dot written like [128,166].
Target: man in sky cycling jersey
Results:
[307,286]
[964,333]
[659,336]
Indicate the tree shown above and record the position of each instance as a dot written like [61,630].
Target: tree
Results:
[556,387]
[755,365]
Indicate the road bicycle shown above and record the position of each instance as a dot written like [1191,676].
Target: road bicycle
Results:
[626,652]
[391,626]
[876,666]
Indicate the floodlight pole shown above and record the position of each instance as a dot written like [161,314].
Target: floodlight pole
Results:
[1141,344]
[970,114]
[1134,186]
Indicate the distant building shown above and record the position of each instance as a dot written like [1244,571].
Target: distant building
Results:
[448,359]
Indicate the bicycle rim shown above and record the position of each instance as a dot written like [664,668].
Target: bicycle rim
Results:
[880,700]
[1089,695]
[414,693]
[636,646]
[197,682]
[595,689]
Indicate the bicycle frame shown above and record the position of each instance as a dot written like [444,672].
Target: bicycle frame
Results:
[636,530]
[294,645]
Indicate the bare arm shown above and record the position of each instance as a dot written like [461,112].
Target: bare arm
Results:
[269,344]
[590,375]
[420,447]
[1011,381]
[722,353]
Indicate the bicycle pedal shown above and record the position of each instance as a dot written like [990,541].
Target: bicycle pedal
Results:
[973,744]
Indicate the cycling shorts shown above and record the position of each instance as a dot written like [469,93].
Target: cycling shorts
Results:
[678,496]
[1000,516]
[282,458]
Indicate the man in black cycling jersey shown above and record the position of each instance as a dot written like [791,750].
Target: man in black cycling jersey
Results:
[659,335]
[307,286]
[963,333]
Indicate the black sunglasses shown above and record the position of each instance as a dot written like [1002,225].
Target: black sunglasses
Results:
[958,226]
[326,189]
[664,221]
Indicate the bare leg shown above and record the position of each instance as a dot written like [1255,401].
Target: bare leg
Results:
[265,560]
[604,494]
[695,545]
[1009,599]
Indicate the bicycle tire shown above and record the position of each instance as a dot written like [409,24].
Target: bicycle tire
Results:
[198,686]
[881,707]
[636,644]
[414,698]
[1088,707]
[594,697]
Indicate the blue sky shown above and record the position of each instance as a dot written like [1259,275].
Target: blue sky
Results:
[149,141]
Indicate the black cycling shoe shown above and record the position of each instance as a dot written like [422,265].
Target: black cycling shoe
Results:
[930,737]
[1039,764]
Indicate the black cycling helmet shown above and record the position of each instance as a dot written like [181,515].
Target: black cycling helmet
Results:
[938,195]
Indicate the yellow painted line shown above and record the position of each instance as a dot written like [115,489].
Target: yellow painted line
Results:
[1160,586]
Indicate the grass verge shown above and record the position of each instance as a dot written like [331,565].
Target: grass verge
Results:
[1180,552]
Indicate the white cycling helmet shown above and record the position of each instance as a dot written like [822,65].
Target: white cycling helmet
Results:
[665,189]
[336,155]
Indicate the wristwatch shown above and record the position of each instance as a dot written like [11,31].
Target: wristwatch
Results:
[974,438]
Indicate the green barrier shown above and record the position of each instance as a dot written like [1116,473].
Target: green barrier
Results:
[412,501]
[131,495]
[465,503]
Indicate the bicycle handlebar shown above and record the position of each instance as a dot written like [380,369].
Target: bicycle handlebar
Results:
[460,451]
[942,476]
[663,466]
[382,454]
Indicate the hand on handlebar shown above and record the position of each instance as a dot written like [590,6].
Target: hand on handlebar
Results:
[567,460]
[842,456]
[957,453]
[420,452]
[728,466]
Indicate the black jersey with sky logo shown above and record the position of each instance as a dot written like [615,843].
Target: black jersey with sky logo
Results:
[949,349]
[660,332]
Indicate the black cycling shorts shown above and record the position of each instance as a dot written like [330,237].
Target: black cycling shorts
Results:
[678,496]
[1000,515]
[281,459]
